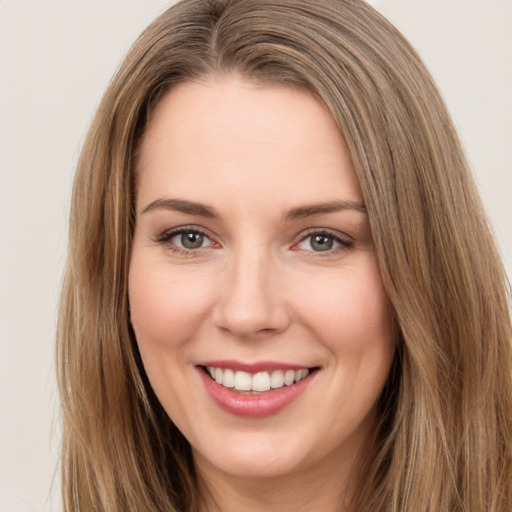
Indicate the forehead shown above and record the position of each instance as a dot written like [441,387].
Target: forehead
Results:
[235,138]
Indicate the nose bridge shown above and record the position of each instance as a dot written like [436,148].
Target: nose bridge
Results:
[251,301]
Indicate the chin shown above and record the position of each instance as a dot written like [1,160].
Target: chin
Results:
[277,452]
[254,462]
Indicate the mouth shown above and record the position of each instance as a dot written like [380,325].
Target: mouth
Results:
[255,391]
[259,382]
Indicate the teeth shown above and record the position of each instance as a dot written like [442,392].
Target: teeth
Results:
[228,379]
[300,374]
[261,381]
[289,377]
[242,381]
[277,379]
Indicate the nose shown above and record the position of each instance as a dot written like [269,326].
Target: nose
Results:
[252,300]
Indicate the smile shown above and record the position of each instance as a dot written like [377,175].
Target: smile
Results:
[257,382]
[256,390]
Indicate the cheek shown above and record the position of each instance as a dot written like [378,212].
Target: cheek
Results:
[165,310]
[351,314]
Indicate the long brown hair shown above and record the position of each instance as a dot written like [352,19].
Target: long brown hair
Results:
[445,435]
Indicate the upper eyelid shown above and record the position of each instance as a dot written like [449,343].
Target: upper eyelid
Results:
[324,231]
[169,233]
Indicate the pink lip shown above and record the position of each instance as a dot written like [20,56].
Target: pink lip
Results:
[260,366]
[253,406]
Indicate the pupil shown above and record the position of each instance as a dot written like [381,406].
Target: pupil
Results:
[322,243]
[192,240]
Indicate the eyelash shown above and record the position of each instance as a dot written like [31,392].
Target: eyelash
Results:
[344,241]
[166,237]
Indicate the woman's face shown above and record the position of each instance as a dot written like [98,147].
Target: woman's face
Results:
[253,262]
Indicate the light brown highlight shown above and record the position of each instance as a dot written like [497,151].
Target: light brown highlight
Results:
[445,439]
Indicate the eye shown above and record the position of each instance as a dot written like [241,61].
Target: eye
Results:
[321,241]
[190,240]
[185,239]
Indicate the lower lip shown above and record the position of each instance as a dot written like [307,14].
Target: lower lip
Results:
[254,406]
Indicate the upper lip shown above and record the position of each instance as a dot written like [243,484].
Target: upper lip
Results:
[253,367]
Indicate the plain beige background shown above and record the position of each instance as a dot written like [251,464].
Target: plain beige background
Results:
[56,58]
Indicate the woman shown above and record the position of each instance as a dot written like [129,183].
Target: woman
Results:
[281,290]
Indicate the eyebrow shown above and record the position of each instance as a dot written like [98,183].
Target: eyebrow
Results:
[320,208]
[183,206]
[209,212]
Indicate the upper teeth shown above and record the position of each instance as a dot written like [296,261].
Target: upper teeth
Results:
[261,381]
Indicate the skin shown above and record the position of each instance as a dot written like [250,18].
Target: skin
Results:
[257,289]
